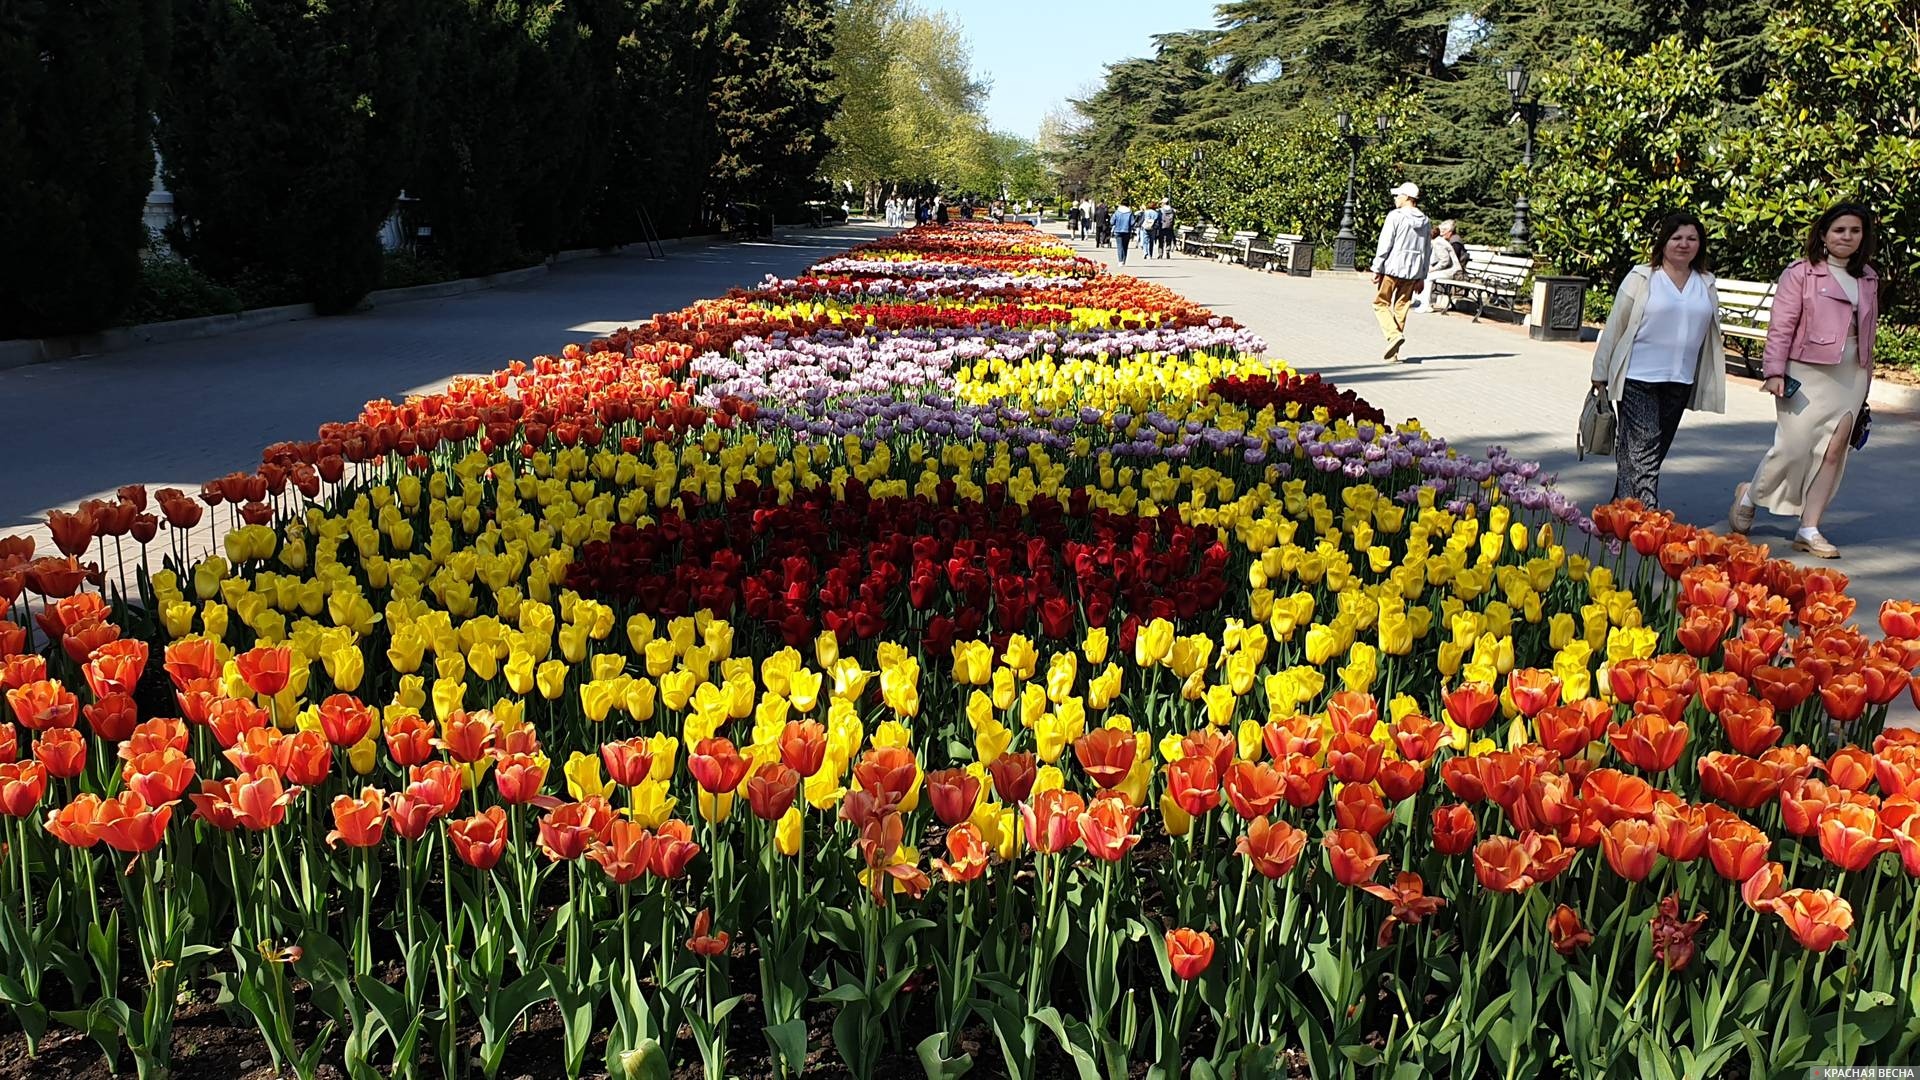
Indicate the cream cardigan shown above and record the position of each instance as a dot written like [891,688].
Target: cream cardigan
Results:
[1615,350]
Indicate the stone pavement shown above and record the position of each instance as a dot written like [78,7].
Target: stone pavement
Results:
[1489,384]
[182,413]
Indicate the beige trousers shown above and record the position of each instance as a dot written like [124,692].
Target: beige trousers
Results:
[1390,304]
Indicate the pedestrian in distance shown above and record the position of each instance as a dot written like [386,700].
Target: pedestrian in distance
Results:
[1147,224]
[1073,221]
[1661,353]
[1400,265]
[1122,224]
[1166,229]
[1443,263]
[1102,224]
[1818,365]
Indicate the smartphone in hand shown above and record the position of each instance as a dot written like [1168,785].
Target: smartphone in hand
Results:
[1792,387]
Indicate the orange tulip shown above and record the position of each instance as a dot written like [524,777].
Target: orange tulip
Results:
[1273,847]
[76,824]
[1749,723]
[570,828]
[129,823]
[625,852]
[1400,780]
[44,705]
[1615,796]
[1900,618]
[1253,790]
[1566,932]
[1352,856]
[1193,784]
[1850,836]
[466,737]
[440,782]
[1353,757]
[115,668]
[112,718]
[305,757]
[1417,737]
[1783,688]
[1361,808]
[1471,705]
[1353,712]
[1761,891]
[703,942]
[1649,742]
[1298,734]
[1106,755]
[1532,690]
[480,840]
[1741,781]
[1013,777]
[18,671]
[967,854]
[1850,767]
[159,733]
[673,850]
[1631,846]
[716,766]
[771,790]
[1410,903]
[1803,801]
[628,761]
[1700,632]
[260,800]
[72,530]
[1106,828]
[22,785]
[803,746]
[1454,828]
[1212,745]
[1052,820]
[213,804]
[345,720]
[1189,952]
[887,771]
[1304,781]
[160,776]
[63,751]
[1682,829]
[520,778]
[1736,847]
[188,662]
[265,668]
[359,821]
[1817,918]
[409,740]
[1845,696]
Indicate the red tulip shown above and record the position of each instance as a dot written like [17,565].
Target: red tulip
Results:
[22,785]
[265,668]
[1106,754]
[771,790]
[481,840]
[1566,932]
[954,793]
[63,751]
[1454,828]
[1189,953]
[1471,705]
[628,761]
[520,778]
[703,942]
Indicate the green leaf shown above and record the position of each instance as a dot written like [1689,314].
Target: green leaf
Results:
[789,1041]
[1074,1038]
[937,1065]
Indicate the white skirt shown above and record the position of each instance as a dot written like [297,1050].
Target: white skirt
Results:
[1829,393]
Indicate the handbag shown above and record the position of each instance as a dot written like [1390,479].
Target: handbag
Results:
[1862,427]
[1597,425]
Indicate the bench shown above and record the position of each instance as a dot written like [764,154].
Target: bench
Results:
[1284,252]
[1489,276]
[1196,239]
[1746,308]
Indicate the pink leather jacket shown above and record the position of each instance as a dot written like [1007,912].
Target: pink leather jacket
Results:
[1810,316]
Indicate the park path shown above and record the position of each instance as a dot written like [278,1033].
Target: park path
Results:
[185,412]
[1488,384]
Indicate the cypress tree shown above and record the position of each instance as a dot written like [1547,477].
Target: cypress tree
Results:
[76,159]
[772,99]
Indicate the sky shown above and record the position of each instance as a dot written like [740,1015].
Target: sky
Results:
[1039,53]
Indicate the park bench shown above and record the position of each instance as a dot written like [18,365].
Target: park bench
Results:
[1489,276]
[1199,240]
[1746,307]
[1239,246]
[1284,252]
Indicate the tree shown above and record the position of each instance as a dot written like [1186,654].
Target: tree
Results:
[772,98]
[285,126]
[76,159]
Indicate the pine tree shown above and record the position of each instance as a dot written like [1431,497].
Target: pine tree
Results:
[772,98]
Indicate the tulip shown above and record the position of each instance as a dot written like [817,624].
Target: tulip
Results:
[954,794]
[1649,742]
[409,740]
[1189,952]
[1272,847]
[1410,903]
[1351,856]
[159,776]
[1850,836]
[480,840]
[130,824]
[265,668]
[1762,891]
[625,853]
[1052,820]
[1817,918]
[44,705]
[1361,808]
[520,777]
[1682,830]
[1631,846]
[789,832]
[1193,784]
[967,854]
[1736,847]
[359,821]
[673,849]
[63,751]
[771,790]
[1106,828]
[570,828]
[703,942]
[260,800]
[1106,754]
[1741,781]
[1532,690]
[629,761]
[1454,828]
[76,824]
[22,785]
[115,668]
[1013,777]
[1673,939]
[1566,932]
[345,720]
[716,766]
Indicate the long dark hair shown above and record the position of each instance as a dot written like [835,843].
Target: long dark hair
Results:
[1702,261]
[1869,236]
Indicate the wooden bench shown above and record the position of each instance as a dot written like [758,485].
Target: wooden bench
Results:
[1284,252]
[1235,248]
[1746,309]
[1489,276]
[1199,240]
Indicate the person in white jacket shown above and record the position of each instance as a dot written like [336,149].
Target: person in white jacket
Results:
[1400,265]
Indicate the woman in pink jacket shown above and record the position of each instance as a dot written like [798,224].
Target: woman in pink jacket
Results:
[1818,365]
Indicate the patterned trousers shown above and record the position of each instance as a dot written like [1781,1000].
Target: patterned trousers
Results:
[1649,414]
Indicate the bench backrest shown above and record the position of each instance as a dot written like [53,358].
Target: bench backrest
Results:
[1745,301]
[1288,238]
[1505,267]
[1246,236]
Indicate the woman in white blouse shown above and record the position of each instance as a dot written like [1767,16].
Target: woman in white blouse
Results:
[1661,353]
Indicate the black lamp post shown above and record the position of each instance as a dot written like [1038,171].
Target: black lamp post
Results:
[1528,110]
[1343,242]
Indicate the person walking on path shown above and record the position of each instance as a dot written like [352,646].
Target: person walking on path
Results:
[1443,263]
[1400,264]
[1147,224]
[1661,353]
[1073,221]
[1819,366]
[1102,224]
[1122,225]
[1166,229]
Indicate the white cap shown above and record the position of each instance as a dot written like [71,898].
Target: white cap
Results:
[1410,189]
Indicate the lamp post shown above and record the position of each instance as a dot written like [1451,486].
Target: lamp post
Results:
[1528,110]
[1344,240]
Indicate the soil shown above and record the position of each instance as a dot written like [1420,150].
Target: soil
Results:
[1902,375]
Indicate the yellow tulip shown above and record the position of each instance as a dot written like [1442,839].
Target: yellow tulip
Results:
[345,667]
[849,679]
[713,808]
[640,630]
[1176,821]
[649,804]
[803,688]
[991,739]
[1153,643]
[1004,689]
[364,755]
[551,678]
[519,671]
[1103,688]
[1095,644]
[787,833]
[972,663]
[583,777]
[448,696]
[660,657]
[1021,656]
[676,689]
[900,687]
[1219,702]
[826,649]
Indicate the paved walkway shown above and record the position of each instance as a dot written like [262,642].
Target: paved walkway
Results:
[1489,384]
[183,413]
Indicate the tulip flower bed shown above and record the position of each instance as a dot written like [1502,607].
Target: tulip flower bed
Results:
[952,659]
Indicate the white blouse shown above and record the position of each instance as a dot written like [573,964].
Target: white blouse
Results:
[1666,347]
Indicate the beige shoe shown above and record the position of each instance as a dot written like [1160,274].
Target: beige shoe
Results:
[1815,545]
[1393,347]
[1740,518]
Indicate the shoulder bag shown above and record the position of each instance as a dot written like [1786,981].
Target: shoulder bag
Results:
[1596,432]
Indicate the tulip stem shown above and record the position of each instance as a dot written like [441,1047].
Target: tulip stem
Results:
[1913,924]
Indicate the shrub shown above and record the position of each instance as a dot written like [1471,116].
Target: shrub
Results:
[170,288]
[1897,346]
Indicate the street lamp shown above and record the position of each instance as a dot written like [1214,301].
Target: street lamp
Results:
[1528,110]
[1166,170]
[1344,241]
